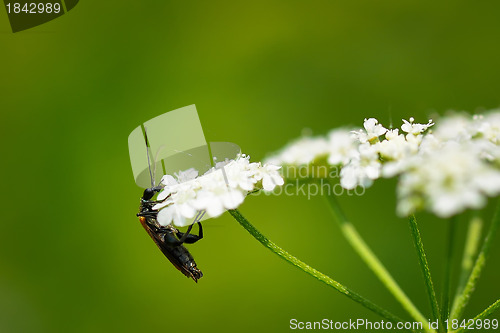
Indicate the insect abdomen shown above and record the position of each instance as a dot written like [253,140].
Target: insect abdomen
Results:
[186,260]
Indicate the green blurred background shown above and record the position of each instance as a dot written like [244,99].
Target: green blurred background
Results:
[73,256]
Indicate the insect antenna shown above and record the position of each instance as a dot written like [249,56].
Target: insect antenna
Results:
[148,153]
[195,158]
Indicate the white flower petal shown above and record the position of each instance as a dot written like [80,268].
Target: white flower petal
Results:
[168,180]
[166,215]
[232,199]
[220,188]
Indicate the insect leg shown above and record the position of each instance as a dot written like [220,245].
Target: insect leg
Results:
[145,214]
[183,236]
[153,201]
[190,238]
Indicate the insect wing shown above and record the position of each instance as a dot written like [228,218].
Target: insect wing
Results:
[168,251]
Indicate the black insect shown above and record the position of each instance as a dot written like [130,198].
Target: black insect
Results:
[169,239]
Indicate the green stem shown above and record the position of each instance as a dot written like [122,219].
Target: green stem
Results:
[470,250]
[424,266]
[445,311]
[311,271]
[463,299]
[486,313]
[364,251]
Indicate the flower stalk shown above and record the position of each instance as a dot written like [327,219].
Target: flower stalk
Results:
[311,271]
[424,266]
[445,301]
[470,250]
[372,261]
[486,313]
[463,299]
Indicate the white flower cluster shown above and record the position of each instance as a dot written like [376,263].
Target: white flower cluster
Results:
[453,168]
[456,167]
[222,187]
[301,152]
[360,153]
